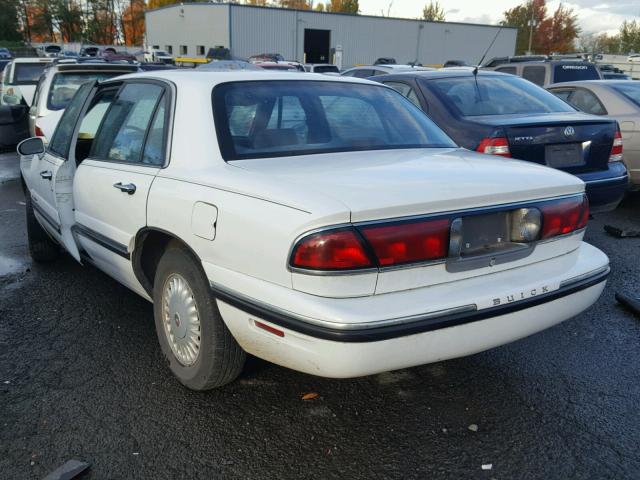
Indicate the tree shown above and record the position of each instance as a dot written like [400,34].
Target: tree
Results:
[259,3]
[558,33]
[295,4]
[133,23]
[9,21]
[343,6]
[433,12]
[520,16]
[66,17]
[630,37]
[319,7]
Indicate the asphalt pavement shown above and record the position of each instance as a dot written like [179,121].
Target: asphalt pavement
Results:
[82,377]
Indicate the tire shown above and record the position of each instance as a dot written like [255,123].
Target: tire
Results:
[41,247]
[219,359]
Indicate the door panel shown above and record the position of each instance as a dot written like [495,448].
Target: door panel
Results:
[107,228]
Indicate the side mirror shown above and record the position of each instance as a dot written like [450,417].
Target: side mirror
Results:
[31,146]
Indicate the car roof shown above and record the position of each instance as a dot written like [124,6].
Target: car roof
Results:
[33,60]
[213,77]
[448,73]
[603,83]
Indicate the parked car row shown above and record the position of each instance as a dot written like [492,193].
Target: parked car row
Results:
[323,223]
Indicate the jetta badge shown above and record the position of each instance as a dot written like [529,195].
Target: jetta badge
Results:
[569,132]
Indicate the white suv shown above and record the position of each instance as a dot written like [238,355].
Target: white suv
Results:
[58,85]
[320,223]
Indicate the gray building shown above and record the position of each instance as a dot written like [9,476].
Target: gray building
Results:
[190,29]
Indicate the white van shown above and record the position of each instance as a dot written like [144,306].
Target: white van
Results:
[20,79]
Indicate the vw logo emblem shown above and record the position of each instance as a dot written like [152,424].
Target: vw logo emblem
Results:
[569,132]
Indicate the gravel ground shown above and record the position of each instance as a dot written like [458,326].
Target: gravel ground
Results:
[81,376]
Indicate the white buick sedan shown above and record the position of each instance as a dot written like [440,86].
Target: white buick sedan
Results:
[321,223]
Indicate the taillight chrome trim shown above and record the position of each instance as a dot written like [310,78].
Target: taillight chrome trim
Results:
[452,214]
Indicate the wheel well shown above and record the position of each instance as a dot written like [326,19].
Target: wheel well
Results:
[149,247]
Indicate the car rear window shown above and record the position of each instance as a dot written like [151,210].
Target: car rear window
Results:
[494,95]
[28,73]
[280,118]
[64,86]
[326,69]
[572,72]
[631,90]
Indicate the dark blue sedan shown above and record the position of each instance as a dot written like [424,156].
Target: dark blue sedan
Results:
[501,114]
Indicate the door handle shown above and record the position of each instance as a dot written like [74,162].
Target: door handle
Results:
[130,188]
[46,174]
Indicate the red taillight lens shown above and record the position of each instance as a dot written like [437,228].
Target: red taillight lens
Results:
[39,132]
[331,250]
[616,148]
[494,146]
[564,216]
[408,242]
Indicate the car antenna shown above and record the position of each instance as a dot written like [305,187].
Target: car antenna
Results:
[475,70]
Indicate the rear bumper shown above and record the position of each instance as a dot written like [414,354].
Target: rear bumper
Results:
[606,188]
[455,320]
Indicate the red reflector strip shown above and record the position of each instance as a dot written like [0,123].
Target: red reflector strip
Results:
[564,216]
[408,242]
[269,328]
[332,250]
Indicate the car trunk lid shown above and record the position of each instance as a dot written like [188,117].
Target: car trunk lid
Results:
[574,143]
[384,184]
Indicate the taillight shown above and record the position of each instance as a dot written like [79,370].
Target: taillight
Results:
[339,249]
[38,130]
[616,148]
[495,146]
[413,242]
[564,216]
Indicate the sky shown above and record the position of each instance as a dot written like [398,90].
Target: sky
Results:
[594,16]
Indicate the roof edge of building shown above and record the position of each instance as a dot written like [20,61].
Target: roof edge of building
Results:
[236,5]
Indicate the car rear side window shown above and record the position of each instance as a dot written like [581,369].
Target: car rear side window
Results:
[494,95]
[509,70]
[573,72]
[534,74]
[122,134]
[586,101]
[276,118]
[406,91]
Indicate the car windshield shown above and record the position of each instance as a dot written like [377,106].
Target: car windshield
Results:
[64,86]
[630,89]
[573,72]
[274,118]
[473,96]
[28,73]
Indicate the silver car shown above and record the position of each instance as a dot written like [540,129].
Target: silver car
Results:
[618,99]
[58,85]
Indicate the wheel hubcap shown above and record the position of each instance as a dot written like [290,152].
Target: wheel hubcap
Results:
[180,319]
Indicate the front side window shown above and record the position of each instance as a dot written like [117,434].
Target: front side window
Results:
[494,95]
[275,118]
[326,69]
[121,136]
[631,90]
[62,136]
[65,85]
